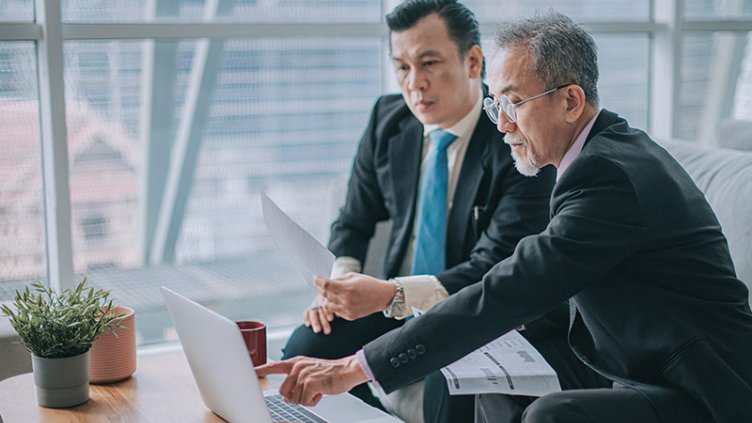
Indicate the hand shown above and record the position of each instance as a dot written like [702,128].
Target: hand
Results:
[308,379]
[318,316]
[355,295]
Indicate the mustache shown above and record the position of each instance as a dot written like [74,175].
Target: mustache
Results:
[514,139]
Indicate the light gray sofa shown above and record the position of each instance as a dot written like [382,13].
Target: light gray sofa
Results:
[14,359]
[725,176]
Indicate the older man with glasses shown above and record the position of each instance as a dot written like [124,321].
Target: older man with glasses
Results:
[525,165]
[655,305]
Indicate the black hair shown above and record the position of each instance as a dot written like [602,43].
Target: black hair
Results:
[461,23]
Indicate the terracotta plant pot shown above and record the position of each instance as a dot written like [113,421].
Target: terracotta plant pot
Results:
[113,355]
[61,382]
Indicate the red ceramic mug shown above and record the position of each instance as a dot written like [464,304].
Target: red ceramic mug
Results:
[254,335]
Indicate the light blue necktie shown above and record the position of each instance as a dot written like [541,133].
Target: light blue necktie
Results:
[430,239]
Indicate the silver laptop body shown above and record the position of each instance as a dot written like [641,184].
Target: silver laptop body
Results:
[225,376]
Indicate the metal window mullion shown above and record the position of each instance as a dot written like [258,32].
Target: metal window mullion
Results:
[664,79]
[57,205]
[724,67]
[159,70]
[619,27]
[12,31]
[20,31]
[715,25]
[219,30]
[204,71]
[388,81]
[728,56]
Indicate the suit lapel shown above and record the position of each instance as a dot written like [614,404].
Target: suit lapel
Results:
[473,167]
[405,150]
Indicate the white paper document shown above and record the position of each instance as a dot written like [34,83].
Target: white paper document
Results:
[301,248]
[507,365]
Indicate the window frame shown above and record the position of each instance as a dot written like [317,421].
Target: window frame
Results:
[666,28]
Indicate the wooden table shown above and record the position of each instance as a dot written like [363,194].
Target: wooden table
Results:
[161,390]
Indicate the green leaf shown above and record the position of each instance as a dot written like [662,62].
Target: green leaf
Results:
[60,325]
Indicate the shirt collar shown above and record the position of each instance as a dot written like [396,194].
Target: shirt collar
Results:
[465,127]
[576,148]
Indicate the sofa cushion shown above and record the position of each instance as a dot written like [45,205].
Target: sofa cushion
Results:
[725,176]
[734,133]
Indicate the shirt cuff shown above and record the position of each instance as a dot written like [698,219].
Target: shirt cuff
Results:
[421,292]
[361,356]
[344,265]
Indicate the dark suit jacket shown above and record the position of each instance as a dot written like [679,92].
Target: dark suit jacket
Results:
[636,246]
[384,185]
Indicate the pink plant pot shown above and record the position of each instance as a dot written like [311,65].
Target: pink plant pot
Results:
[113,355]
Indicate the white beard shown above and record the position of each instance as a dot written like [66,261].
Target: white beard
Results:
[527,166]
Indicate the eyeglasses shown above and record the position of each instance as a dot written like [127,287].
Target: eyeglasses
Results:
[492,106]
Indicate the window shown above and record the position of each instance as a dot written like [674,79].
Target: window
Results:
[22,238]
[171,138]
[279,111]
[237,10]
[17,10]
[703,9]
[716,87]
[494,11]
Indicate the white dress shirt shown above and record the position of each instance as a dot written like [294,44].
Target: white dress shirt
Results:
[576,148]
[424,291]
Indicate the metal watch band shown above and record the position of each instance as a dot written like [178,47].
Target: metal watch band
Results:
[397,307]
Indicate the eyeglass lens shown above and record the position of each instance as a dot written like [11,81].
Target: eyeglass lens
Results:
[492,109]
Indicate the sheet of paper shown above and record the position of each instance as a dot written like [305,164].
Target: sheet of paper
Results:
[301,248]
[507,365]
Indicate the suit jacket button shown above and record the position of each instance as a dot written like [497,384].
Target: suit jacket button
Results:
[394,362]
[420,349]
[412,353]
[403,357]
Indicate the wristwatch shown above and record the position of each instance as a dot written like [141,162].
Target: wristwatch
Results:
[397,308]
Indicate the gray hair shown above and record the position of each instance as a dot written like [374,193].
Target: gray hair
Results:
[562,51]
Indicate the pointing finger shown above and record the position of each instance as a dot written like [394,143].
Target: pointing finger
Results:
[276,368]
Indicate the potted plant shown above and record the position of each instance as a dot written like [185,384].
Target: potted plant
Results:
[58,330]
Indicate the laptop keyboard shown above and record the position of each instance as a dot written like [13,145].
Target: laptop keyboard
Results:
[282,411]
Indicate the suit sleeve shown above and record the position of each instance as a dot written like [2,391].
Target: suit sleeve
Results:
[597,223]
[364,204]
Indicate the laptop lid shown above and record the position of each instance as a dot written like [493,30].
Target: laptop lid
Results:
[219,361]
[224,373]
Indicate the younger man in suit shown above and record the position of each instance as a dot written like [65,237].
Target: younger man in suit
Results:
[655,305]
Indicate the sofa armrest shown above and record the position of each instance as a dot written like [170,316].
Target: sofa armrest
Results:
[15,358]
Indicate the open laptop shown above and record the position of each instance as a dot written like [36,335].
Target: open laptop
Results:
[227,381]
